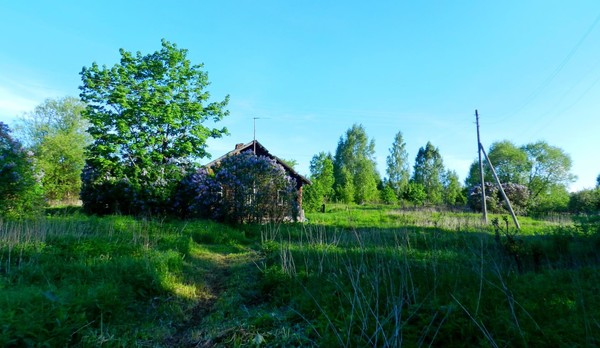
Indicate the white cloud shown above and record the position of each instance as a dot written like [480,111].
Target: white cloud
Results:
[22,94]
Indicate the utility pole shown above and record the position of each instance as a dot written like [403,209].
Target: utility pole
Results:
[479,148]
[512,212]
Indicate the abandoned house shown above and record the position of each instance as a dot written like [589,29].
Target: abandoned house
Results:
[259,150]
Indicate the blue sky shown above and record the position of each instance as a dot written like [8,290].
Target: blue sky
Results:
[310,70]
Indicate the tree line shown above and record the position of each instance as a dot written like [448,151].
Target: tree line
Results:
[534,176]
[132,141]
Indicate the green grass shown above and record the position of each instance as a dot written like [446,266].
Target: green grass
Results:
[354,276]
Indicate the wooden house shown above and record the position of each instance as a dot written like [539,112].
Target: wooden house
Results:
[258,149]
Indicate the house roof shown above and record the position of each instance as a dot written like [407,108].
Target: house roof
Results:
[260,151]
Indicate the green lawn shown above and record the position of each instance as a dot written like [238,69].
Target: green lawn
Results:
[354,276]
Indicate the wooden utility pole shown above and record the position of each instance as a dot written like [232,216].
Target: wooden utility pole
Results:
[479,148]
[512,212]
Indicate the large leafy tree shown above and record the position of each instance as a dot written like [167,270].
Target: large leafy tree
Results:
[56,133]
[147,116]
[542,168]
[549,175]
[429,172]
[510,162]
[398,169]
[321,176]
[355,168]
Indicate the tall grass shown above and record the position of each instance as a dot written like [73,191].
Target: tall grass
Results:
[85,280]
[441,280]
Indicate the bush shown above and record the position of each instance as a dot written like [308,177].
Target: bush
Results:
[147,193]
[243,188]
[20,191]
[517,194]
[585,201]
[198,195]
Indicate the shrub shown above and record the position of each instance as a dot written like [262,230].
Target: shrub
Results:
[243,188]
[388,195]
[585,201]
[198,195]
[146,193]
[517,194]
[20,191]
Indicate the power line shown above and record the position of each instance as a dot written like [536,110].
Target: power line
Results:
[553,75]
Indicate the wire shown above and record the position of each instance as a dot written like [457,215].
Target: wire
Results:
[552,76]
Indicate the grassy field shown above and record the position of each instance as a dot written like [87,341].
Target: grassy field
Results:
[354,276]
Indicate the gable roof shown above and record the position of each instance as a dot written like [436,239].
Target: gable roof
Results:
[261,151]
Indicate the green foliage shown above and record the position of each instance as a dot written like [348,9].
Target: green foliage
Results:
[388,195]
[398,169]
[429,172]
[543,168]
[585,201]
[292,163]
[510,163]
[355,170]
[56,133]
[146,117]
[344,186]
[83,281]
[453,191]
[321,175]
[549,167]
[20,192]
[355,276]
[355,281]
[415,193]
[556,200]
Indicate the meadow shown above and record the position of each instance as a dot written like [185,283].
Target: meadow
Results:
[353,276]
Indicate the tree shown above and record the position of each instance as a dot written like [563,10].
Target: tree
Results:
[20,193]
[292,163]
[388,195]
[453,191]
[510,162]
[549,170]
[415,193]
[544,169]
[56,133]
[429,171]
[321,176]
[355,168]
[585,201]
[398,169]
[598,181]
[146,117]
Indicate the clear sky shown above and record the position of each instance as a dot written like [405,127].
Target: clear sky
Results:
[311,69]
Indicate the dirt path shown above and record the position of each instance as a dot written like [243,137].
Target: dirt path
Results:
[212,272]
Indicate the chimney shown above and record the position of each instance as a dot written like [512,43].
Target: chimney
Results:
[239,146]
